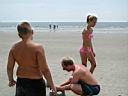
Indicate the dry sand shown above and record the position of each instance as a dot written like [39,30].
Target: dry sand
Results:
[111,55]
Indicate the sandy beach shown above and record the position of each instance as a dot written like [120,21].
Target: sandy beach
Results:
[111,55]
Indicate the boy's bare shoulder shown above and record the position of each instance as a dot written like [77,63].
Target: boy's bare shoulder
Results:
[38,47]
[15,45]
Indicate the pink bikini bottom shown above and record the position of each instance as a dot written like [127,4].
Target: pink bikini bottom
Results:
[85,50]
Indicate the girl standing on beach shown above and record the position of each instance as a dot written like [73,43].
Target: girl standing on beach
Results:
[86,52]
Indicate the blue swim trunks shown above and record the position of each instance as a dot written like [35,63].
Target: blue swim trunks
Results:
[89,89]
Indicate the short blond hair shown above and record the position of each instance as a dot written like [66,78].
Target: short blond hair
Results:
[67,61]
[22,29]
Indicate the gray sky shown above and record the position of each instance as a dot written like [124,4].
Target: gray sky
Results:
[63,10]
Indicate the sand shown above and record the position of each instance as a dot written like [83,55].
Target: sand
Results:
[111,55]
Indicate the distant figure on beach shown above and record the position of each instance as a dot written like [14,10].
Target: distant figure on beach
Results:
[50,26]
[57,26]
[87,52]
[54,27]
[32,65]
[81,82]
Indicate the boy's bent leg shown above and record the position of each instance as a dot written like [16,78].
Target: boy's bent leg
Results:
[76,88]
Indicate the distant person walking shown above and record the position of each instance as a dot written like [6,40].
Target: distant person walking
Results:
[32,65]
[50,26]
[87,52]
[54,27]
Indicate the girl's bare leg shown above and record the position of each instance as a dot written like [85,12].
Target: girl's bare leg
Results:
[83,58]
[92,60]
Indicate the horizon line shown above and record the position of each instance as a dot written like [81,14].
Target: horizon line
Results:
[57,21]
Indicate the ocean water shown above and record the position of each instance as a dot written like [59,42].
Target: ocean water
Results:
[101,27]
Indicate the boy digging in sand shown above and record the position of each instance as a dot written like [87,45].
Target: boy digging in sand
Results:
[81,82]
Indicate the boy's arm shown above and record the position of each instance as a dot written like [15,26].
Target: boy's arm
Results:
[44,67]
[66,82]
[10,67]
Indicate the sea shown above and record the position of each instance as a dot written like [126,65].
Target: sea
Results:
[101,27]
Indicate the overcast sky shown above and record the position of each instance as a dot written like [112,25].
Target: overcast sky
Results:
[63,10]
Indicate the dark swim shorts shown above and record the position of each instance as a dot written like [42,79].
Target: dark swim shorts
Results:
[89,89]
[30,87]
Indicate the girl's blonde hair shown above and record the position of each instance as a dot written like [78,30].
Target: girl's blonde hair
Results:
[90,18]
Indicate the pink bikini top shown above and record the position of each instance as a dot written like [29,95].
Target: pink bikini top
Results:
[90,36]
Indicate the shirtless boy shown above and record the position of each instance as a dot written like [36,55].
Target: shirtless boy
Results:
[32,65]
